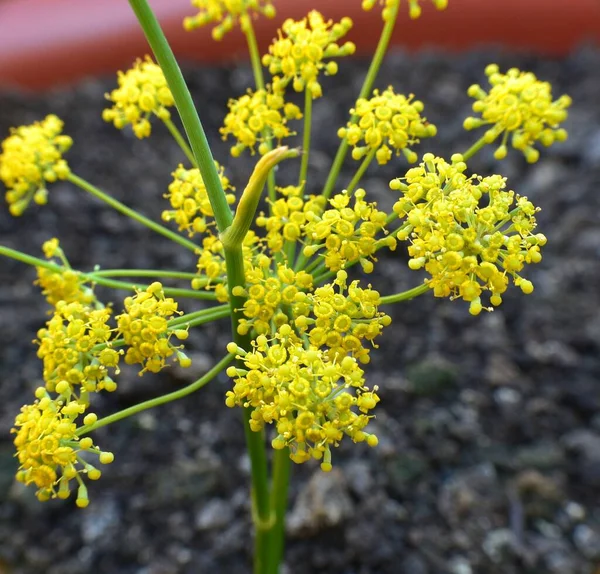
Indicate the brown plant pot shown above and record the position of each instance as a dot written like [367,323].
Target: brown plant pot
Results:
[44,43]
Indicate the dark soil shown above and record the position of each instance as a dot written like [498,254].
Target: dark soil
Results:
[489,426]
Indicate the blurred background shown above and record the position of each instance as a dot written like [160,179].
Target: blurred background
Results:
[489,426]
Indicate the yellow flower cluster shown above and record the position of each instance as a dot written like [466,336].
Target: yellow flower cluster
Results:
[312,400]
[340,321]
[348,234]
[64,284]
[76,351]
[189,200]
[267,294]
[142,91]
[144,326]
[288,217]
[390,5]
[468,233]
[298,55]
[31,157]
[226,13]
[49,450]
[256,117]
[385,122]
[521,105]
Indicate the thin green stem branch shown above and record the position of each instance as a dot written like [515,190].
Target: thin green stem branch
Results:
[213,312]
[144,406]
[306,136]
[382,46]
[122,208]
[185,148]
[478,145]
[405,295]
[360,171]
[146,273]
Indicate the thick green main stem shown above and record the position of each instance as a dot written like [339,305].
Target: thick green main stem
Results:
[306,136]
[135,409]
[233,255]
[122,208]
[382,46]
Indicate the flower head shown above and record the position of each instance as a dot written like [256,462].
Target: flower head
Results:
[468,233]
[76,350]
[347,233]
[256,117]
[142,92]
[226,13]
[386,122]
[31,157]
[144,326]
[49,450]
[313,401]
[298,55]
[390,5]
[518,104]
[192,210]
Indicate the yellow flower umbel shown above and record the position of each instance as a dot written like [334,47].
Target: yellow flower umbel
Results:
[389,5]
[76,351]
[347,234]
[339,317]
[518,104]
[226,13]
[142,92]
[49,450]
[65,284]
[386,122]
[256,117]
[189,199]
[31,157]
[468,233]
[312,400]
[298,55]
[144,326]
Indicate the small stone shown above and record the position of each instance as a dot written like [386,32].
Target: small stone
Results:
[322,503]
[216,513]
[587,540]
[498,543]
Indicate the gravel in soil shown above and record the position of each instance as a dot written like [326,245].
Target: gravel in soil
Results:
[489,426]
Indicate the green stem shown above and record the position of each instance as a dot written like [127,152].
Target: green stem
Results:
[306,136]
[360,171]
[479,144]
[185,148]
[187,111]
[122,208]
[382,47]
[405,295]
[210,314]
[29,259]
[144,406]
[145,273]
[279,501]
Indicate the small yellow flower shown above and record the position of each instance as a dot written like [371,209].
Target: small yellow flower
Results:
[518,104]
[390,5]
[468,233]
[31,157]
[226,14]
[142,92]
[257,117]
[386,122]
[298,55]
[188,196]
